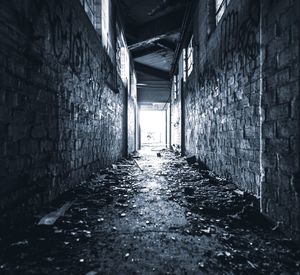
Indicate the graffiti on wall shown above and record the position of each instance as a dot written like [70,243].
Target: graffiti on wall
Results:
[229,36]
[68,44]
[208,77]
[239,47]
[239,36]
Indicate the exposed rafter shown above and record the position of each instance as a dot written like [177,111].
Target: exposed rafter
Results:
[152,71]
[157,29]
[166,44]
[160,45]
[164,5]
[145,51]
[147,42]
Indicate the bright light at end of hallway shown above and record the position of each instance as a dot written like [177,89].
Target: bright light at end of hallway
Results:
[153,127]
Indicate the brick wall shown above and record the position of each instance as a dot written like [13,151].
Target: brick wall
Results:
[176,109]
[280,104]
[131,125]
[241,101]
[62,109]
[132,114]
[222,96]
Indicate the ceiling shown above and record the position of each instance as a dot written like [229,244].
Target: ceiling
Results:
[152,30]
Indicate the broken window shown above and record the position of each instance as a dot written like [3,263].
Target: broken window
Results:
[190,58]
[184,64]
[122,58]
[133,91]
[175,87]
[105,15]
[92,9]
[125,65]
[221,6]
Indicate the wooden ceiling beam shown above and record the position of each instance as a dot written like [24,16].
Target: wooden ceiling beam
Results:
[151,71]
[166,44]
[144,51]
[157,29]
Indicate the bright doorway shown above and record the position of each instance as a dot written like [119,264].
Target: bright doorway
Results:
[153,128]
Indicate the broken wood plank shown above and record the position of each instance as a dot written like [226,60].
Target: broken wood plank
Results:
[138,165]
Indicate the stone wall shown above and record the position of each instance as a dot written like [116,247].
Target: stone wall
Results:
[281,105]
[62,111]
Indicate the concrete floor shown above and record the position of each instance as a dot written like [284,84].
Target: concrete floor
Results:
[167,219]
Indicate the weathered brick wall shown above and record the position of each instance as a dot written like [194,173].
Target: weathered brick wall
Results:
[131,124]
[132,114]
[61,102]
[176,125]
[176,110]
[222,96]
[242,102]
[281,105]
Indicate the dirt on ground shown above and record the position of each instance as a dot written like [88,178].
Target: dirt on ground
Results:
[156,213]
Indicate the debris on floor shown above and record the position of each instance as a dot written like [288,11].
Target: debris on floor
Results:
[174,218]
[191,160]
[138,165]
[51,218]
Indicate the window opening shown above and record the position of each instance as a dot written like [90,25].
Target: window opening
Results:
[184,64]
[221,6]
[175,87]
[190,58]
[93,10]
